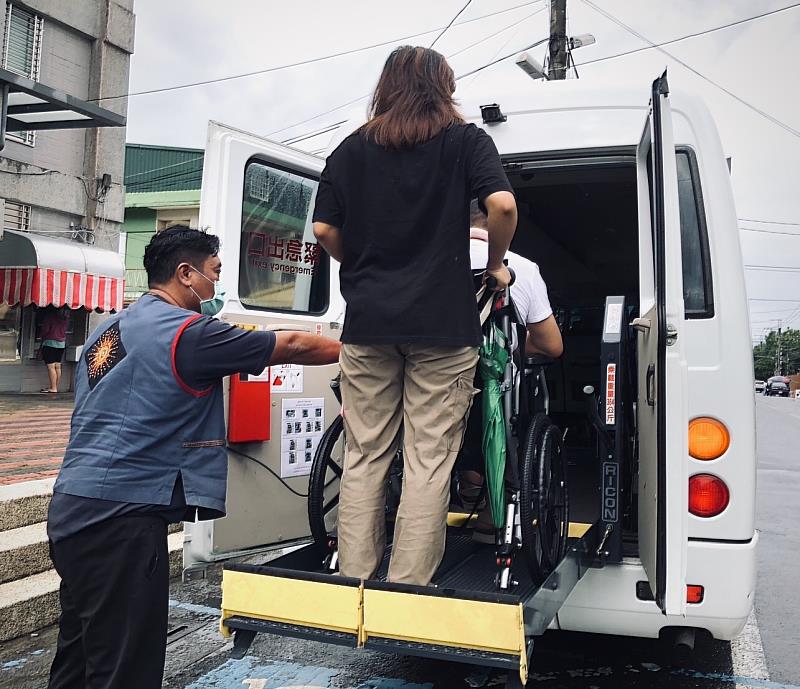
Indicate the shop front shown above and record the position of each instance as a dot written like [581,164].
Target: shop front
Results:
[40,276]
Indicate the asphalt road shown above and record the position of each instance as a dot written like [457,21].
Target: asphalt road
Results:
[767,655]
[778,519]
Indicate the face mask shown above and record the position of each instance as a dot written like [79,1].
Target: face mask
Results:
[212,306]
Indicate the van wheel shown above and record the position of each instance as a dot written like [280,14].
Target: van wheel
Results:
[323,484]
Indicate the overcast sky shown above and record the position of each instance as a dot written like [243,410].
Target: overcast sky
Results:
[186,41]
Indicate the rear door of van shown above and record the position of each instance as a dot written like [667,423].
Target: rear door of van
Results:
[662,409]
[258,196]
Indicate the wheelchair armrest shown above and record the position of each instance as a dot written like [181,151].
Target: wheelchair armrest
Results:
[539,360]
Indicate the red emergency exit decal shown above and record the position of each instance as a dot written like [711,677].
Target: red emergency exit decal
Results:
[611,394]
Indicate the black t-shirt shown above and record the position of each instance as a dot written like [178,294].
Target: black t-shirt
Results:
[404,217]
[207,351]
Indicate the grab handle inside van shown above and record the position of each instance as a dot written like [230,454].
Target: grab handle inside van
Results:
[649,384]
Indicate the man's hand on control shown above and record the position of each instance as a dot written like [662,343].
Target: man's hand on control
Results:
[502,275]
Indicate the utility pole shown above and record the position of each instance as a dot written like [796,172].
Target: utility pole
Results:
[558,40]
[779,351]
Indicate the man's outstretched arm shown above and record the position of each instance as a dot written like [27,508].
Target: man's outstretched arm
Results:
[294,347]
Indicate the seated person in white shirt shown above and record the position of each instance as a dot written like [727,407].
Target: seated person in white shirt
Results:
[529,295]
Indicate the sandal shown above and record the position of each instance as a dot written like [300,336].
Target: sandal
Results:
[49,391]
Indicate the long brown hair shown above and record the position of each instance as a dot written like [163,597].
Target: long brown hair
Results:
[413,100]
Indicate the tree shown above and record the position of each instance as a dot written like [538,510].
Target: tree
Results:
[765,354]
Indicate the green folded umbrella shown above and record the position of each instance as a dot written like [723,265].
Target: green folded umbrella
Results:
[492,365]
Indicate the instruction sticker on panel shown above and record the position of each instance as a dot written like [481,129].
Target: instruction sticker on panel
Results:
[287,378]
[302,424]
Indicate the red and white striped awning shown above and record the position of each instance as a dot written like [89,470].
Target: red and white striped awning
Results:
[45,286]
[36,269]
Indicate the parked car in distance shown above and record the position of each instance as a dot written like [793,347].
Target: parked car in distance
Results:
[777,386]
[760,385]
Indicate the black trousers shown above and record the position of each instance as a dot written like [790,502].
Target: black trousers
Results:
[114,604]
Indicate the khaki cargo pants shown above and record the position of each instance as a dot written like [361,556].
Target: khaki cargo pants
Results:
[427,392]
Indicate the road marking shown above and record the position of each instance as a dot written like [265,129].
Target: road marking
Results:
[251,673]
[197,609]
[19,662]
[747,652]
[732,679]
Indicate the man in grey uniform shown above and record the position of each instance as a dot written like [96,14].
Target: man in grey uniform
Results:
[146,449]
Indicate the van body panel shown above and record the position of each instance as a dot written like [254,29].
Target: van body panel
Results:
[711,366]
[605,602]
[661,399]
[262,510]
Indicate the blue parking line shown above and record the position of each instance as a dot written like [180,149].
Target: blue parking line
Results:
[734,679]
[198,609]
[19,662]
[255,674]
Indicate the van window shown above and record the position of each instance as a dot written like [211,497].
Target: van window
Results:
[281,266]
[698,299]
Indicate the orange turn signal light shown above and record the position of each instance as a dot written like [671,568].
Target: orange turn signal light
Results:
[708,438]
[694,593]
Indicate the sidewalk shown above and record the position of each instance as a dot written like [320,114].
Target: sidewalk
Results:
[33,435]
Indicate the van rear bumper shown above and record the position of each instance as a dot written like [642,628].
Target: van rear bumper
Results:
[605,602]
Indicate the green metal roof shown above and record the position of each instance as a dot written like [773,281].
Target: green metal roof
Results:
[186,198]
[162,168]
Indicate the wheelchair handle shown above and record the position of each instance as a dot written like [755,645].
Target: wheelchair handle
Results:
[491,281]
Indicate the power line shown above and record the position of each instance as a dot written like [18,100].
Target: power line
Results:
[492,35]
[508,40]
[687,36]
[366,95]
[658,47]
[311,135]
[321,58]
[444,30]
[163,167]
[770,222]
[500,59]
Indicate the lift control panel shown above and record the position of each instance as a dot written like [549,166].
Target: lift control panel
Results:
[612,415]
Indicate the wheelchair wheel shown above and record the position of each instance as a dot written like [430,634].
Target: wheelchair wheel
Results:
[544,509]
[324,481]
[554,499]
[529,496]
[323,484]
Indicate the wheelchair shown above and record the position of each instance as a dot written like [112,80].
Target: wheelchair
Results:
[536,496]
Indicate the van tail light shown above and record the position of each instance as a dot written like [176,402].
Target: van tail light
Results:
[708,438]
[708,495]
[694,593]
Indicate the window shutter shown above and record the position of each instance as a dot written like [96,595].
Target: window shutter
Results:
[22,52]
[17,216]
[23,39]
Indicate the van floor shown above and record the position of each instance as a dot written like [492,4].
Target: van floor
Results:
[470,566]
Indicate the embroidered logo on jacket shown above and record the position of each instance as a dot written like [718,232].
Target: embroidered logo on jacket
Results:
[104,354]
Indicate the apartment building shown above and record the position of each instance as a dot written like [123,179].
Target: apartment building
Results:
[61,190]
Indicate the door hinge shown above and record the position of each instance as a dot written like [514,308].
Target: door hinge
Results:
[641,324]
[672,335]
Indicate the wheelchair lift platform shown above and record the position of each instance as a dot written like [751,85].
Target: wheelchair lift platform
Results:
[461,616]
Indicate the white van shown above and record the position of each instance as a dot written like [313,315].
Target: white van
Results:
[620,192]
